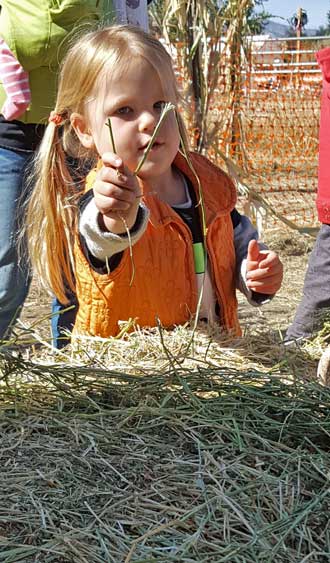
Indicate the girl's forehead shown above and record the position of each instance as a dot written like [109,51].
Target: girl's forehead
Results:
[130,69]
[136,80]
[121,78]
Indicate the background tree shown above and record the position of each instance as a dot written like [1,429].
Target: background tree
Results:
[255,20]
[209,38]
[324,29]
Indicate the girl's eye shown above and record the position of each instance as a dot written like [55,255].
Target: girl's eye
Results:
[159,105]
[124,110]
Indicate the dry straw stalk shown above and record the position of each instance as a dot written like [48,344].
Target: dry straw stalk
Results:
[130,452]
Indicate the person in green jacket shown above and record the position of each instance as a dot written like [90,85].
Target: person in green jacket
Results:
[37,33]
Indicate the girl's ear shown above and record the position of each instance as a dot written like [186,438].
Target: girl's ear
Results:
[81,128]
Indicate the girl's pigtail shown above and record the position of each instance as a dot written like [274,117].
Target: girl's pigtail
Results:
[51,214]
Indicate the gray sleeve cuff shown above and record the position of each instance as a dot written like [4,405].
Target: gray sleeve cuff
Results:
[102,244]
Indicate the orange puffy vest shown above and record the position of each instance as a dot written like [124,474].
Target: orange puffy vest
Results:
[163,288]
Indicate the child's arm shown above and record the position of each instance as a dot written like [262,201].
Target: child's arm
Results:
[257,280]
[15,81]
[116,202]
[117,195]
[264,270]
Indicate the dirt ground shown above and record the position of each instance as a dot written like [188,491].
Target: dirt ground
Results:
[273,318]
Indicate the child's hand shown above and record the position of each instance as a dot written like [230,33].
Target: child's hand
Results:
[117,194]
[264,270]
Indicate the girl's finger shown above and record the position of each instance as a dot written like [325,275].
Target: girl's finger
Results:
[269,259]
[259,283]
[251,265]
[114,190]
[256,273]
[267,289]
[112,159]
[109,204]
[121,179]
[267,285]
[264,273]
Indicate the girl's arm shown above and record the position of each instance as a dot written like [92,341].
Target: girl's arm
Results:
[264,270]
[114,209]
[103,245]
[117,195]
[259,270]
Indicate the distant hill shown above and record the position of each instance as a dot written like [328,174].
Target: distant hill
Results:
[283,30]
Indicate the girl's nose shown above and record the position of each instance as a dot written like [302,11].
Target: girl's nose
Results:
[147,121]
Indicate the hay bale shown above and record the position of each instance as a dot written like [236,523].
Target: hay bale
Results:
[176,455]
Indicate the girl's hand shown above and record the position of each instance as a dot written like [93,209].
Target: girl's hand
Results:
[117,195]
[264,270]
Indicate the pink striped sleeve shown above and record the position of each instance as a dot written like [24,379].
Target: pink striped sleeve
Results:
[15,81]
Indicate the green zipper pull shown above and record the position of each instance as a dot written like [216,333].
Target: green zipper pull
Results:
[199,257]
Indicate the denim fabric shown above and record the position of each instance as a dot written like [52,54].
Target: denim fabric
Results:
[315,303]
[63,320]
[14,268]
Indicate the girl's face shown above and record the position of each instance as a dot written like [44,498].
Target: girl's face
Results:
[133,101]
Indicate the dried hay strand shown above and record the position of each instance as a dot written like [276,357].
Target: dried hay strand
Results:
[141,450]
[156,351]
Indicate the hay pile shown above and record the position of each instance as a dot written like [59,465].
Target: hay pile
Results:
[142,450]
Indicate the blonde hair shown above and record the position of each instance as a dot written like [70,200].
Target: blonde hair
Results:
[52,209]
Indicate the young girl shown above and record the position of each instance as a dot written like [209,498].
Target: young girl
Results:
[134,244]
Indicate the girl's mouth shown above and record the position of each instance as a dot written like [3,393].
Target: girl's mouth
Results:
[156,145]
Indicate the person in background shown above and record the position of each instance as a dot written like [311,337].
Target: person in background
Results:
[133,12]
[33,37]
[123,80]
[315,302]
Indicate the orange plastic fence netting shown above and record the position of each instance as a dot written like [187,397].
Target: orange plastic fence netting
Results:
[264,114]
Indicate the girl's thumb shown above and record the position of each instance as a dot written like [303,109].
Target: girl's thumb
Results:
[253,251]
